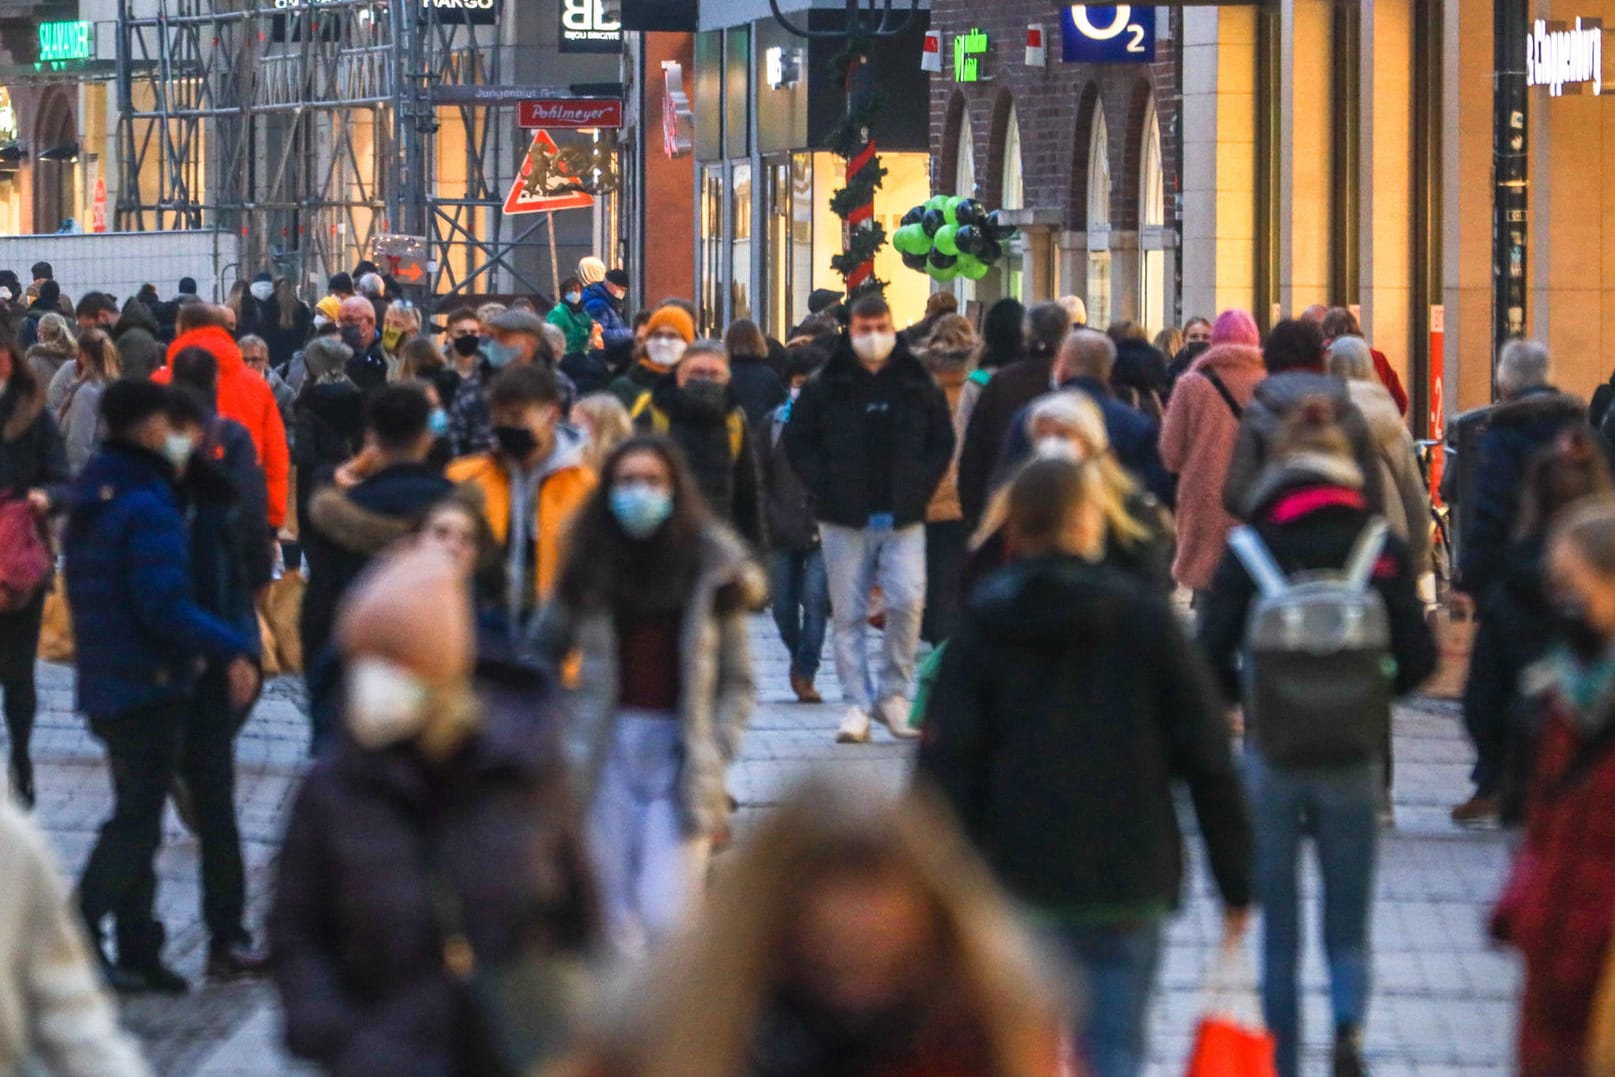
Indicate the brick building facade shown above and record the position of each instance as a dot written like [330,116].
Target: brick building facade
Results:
[1064,249]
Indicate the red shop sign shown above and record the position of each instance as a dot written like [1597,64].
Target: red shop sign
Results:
[571,112]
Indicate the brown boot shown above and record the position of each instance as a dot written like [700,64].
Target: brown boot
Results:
[803,687]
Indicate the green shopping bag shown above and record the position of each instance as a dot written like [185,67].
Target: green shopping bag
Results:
[924,681]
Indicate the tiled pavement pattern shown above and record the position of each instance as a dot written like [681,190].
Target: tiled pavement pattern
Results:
[1444,999]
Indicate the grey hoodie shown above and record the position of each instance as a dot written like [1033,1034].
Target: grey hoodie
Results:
[524,486]
[1277,396]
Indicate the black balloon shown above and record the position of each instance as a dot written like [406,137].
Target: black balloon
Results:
[913,216]
[942,261]
[914,261]
[969,212]
[932,220]
[969,238]
[991,250]
[997,228]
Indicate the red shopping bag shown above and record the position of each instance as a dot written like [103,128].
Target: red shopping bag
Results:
[1231,1040]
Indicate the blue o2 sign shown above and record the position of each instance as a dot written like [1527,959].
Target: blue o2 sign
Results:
[1107,34]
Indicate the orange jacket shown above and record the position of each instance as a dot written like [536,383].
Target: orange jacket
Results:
[560,495]
[245,397]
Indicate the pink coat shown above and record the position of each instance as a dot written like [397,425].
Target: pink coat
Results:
[1197,444]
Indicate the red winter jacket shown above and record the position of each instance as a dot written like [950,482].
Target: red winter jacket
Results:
[1559,905]
[1386,373]
[245,397]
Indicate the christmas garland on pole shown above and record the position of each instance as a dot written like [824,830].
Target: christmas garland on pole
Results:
[854,203]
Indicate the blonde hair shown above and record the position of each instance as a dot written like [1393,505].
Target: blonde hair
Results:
[98,357]
[1075,412]
[488,312]
[55,332]
[609,426]
[696,1012]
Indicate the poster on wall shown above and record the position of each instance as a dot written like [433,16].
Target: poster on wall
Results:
[1107,34]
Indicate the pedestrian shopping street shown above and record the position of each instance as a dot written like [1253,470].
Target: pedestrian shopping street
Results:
[1444,1001]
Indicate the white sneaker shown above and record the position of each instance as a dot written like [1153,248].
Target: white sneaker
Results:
[854,727]
[893,712]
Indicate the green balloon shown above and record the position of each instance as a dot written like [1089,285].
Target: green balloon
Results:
[945,239]
[950,210]
[911,239]
[937,201]
[971,268]
[943,275]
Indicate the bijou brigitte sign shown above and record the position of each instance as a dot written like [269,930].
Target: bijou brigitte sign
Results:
[1559,54]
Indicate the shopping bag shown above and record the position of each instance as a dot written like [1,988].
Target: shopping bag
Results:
[1601,1022]
[1232,1040]
[56,629]
[924,680]
[269,664]
[1455,639]
[282,607]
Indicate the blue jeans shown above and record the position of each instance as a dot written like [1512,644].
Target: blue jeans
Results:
[1117,964]
[857,560]
[801,590]
[1338,807]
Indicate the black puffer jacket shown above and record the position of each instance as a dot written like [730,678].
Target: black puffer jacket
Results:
[1009,390]
[357,944]
[720,453]
[1066,705]
[790,507]
[825,439]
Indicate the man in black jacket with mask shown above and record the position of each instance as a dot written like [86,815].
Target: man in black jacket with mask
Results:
[871,437]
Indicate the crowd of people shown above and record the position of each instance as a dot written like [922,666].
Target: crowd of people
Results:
[534,538]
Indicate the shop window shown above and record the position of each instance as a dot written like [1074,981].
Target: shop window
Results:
[1099,220]
[740,244]
[712,276]
[1152,298]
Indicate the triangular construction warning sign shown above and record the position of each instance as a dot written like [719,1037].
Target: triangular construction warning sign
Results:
[541,185]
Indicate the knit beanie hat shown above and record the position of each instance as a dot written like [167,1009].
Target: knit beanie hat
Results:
[591,270]
[414,610]
[1236,327]
[324,355]
[674,318]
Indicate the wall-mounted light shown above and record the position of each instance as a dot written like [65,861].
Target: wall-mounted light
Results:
[782,66]
[67,152]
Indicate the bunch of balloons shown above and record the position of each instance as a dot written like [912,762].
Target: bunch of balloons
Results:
[948,236]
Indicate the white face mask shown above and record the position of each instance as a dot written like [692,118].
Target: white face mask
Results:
[874,347]
[796,391]
[1055,447]
[177,449]
[262,290]
[665,352]
[321,320]
[386,703]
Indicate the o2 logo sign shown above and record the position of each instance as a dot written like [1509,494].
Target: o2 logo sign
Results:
[586,27]
[1107,34]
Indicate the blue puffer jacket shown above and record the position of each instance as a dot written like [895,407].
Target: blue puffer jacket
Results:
[603,307]
[139,630]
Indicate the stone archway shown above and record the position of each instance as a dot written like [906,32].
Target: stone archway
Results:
[55,127]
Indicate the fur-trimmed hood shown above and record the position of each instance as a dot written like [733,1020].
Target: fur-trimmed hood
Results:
[1539,404]
[352,526]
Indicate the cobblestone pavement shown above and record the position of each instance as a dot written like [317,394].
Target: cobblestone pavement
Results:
[1444,999]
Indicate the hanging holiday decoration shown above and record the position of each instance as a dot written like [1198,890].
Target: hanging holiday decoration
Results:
[947,236]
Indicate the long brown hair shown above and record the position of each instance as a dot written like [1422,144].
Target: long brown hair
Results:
[603,566]
[697,1012]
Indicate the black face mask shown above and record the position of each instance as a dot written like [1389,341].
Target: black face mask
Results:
[1585,642]
[353,337]
[705,398]
[467,345]
[517,442]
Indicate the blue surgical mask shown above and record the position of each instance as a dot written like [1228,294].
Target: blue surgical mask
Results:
[437,424]
[499,355]
[573,297]
[641,509]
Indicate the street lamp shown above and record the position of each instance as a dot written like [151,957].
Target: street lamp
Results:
[865,21]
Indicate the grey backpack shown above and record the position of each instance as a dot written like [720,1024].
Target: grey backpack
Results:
[1318,666]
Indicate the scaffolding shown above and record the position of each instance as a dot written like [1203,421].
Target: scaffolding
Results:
[311,127]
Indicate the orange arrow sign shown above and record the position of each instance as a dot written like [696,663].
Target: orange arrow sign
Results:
[411,272]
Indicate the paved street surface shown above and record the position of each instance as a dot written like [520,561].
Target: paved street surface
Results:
[1444,1000]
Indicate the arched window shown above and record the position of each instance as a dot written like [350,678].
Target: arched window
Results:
[1099,220]
[1014,196]
[1152,298]
[964,165]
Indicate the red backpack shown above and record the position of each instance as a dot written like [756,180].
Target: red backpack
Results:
[25,560]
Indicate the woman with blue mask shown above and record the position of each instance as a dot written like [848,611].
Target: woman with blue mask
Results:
[569,316]
[653,596]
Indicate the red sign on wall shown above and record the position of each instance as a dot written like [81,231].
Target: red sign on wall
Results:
[570,112]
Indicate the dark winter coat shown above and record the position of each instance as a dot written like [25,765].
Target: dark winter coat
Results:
[226,505]
[368,367]
[329,432]
[1008,391]
[1309,521]
[606,310]
[32,453]
[1277,397]
[719,451]
[638,380]
[757,389]
[1140,377]
[346,529]
[791,525]
[1516,430]
[136,623]
[1556,906]
[1065,707]
[1134,439]
[824,440]
[135,334]
[356,940]
[263,319]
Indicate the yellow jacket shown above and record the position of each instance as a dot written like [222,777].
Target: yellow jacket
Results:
[561,494]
